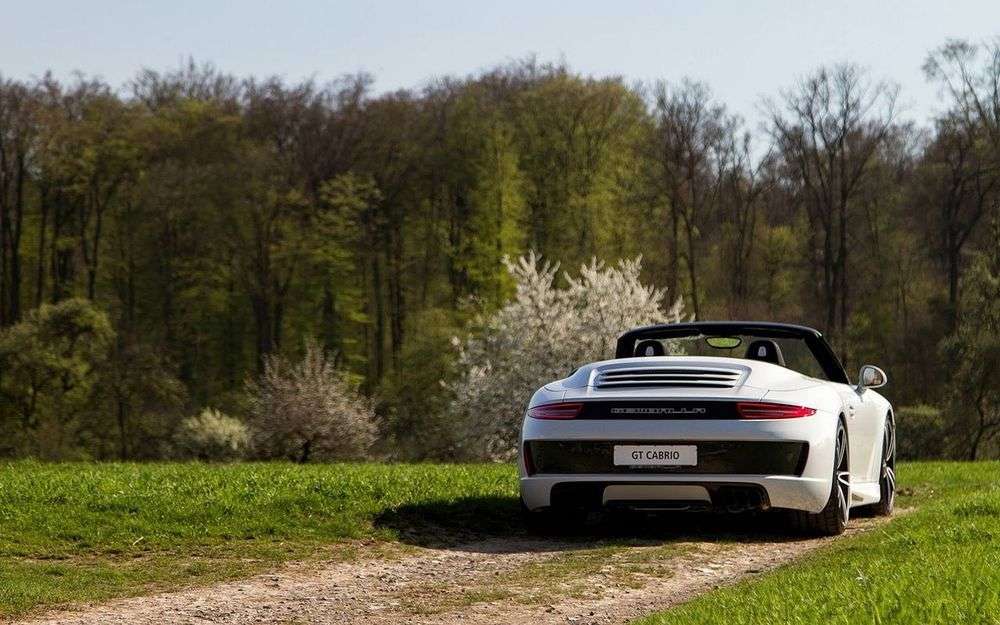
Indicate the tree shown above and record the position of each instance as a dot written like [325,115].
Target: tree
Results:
[543,334]
[480,189]
[351,227]
[691,156]
[393,153]
[50,365]
[173,279]
[17,129]
[974,351]
[307,410]
[218,221]
[413,409]
[142,394]
[828,130]
[745,183]
[965,154]
[575,141]
[91,159]
[974,90]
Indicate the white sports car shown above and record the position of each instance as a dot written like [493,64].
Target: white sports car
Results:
[726,416]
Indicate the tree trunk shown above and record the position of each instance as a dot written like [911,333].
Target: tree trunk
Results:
[278,319]
[396,301]
[672,276]
[4,270]
[94,256]
[954,255]
[11,224]
[692,268]
[122,420]
[40,261]
[378,317]
[842,291]
[974,447]
[14,284]
[61,259]
[264,328]
[328,321]
[829,282]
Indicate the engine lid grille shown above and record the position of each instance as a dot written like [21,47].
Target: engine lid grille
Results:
[660,376]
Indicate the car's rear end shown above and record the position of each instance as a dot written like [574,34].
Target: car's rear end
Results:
[679,433]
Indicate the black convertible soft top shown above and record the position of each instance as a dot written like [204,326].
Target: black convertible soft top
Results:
[766,329]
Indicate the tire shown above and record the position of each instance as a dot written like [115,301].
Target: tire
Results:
[887,475]
[832,519]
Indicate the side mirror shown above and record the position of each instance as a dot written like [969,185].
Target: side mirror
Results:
[871,377]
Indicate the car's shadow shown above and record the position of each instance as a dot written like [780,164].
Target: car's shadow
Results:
[495,524]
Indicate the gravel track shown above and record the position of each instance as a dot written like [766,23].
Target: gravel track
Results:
[479,582]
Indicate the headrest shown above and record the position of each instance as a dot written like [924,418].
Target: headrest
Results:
[649,348]
[765,350]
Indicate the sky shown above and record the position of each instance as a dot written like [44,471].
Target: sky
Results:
[743,49]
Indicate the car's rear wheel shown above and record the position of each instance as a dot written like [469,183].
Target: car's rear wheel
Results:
[832,519]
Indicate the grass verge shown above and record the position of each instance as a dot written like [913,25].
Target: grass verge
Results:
[938,564]
[87,532]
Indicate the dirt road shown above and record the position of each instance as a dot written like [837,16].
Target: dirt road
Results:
[492,581]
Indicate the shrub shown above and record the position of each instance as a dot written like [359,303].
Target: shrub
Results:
[212,435]
[973,353]
[50,367]
[543,335]
[308,410]
[921,433]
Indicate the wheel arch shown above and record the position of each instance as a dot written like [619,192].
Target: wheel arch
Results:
[842,419]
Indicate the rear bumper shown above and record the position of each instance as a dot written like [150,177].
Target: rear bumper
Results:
[714,457]
[789,461]
[727,492]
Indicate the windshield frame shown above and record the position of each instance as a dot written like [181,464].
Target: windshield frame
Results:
[817,345]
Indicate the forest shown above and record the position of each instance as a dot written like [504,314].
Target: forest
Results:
[178,249]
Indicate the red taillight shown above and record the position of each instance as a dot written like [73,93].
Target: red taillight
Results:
[555,411]
[768,410]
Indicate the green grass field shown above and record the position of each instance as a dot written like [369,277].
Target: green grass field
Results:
[938,564]
[82,532]
[72,532]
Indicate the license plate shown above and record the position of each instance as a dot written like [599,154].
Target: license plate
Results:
[656,455]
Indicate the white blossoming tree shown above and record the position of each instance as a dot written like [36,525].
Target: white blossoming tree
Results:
[540,336]
[308,410]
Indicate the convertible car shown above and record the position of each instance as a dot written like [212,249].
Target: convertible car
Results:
[721,416]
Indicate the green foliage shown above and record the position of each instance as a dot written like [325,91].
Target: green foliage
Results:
[974,350]
[577,143]
[496,224]
[416,425]
[142,400]
[344,232]
[50,365]
[778,279]
[220,221]
[922,432]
